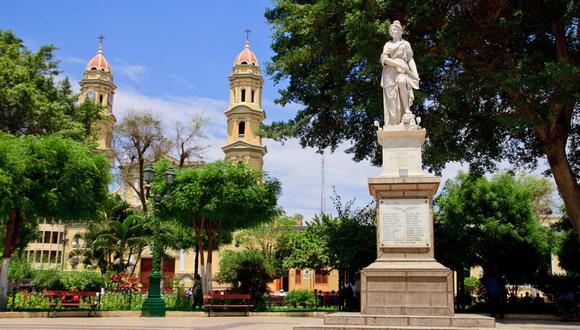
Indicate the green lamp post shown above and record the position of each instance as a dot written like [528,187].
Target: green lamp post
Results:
[154,306]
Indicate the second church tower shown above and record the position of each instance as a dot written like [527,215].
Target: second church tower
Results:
[245,113]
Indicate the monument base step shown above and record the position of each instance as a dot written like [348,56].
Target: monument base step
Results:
[355,321]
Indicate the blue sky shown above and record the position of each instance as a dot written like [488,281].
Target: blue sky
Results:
[173,58]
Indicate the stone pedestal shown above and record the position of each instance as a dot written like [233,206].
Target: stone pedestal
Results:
[405,288]
[405,279]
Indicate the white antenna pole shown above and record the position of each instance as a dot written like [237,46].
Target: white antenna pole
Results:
[322,192]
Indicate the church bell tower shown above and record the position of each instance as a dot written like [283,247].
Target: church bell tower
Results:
[97,86]
[245,113]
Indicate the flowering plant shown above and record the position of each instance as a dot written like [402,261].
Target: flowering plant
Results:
[122,282]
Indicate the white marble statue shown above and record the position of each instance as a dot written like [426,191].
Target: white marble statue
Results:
[399,77]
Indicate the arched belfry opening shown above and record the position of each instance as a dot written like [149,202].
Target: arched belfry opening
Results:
[241,129]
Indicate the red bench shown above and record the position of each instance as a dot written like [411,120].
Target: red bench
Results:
[72,299]
[226,301]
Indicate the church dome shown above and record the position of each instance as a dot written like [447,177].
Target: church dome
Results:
[246,56]
[99,62]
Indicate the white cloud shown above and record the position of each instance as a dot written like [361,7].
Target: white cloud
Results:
[298,169]
[184,82]
[135,72]
[75,60]
[172,109]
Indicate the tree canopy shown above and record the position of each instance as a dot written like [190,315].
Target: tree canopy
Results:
[48,177]
[490,223]
[346,242]
[217,199]
[31,99]
[51,177]
[500,80]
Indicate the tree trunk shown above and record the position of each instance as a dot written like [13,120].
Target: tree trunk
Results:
[208,276]
[554,137]
[141,192]
[12,232]
[204,287]
[208,272]
[137,259]
[198,230]
[196,261]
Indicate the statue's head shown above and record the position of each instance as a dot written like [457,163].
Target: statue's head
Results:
[396,30]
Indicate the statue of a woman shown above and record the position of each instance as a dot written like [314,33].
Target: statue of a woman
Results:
[399,76]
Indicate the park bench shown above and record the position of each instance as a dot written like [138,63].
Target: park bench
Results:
[72,299]
[227,302]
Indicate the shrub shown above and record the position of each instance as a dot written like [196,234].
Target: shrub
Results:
[248,272]
[19,268]
[472,285]
[82,280]
[46,279]
[301,297]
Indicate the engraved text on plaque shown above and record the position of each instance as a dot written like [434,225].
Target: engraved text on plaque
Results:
[404,223]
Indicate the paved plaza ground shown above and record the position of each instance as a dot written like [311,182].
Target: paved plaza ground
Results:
[218,323]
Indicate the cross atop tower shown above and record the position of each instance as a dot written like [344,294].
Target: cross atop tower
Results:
[247,30]
[101,37]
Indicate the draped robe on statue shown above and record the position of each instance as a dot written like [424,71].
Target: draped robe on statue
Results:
[394,78]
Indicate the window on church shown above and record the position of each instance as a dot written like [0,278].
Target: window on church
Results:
[321,277]
[54,238]
[241,129]
[52,258]
[46,237]
[252,96]
[101,99]
[298,276]
[243,95]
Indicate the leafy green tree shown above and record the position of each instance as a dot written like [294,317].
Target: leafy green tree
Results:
[500,80]
[47,177]
[121,240]
[352,238]
[307,248]
[266,238]
[31,102]
[568,249]
[105,236]
[541,190]
[346,242]
[217,199]
[490,223]
[247,271]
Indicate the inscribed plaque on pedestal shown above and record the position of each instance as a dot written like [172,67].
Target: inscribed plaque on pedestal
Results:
[404,223]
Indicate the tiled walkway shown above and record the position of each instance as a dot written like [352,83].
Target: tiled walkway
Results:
[218,323]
